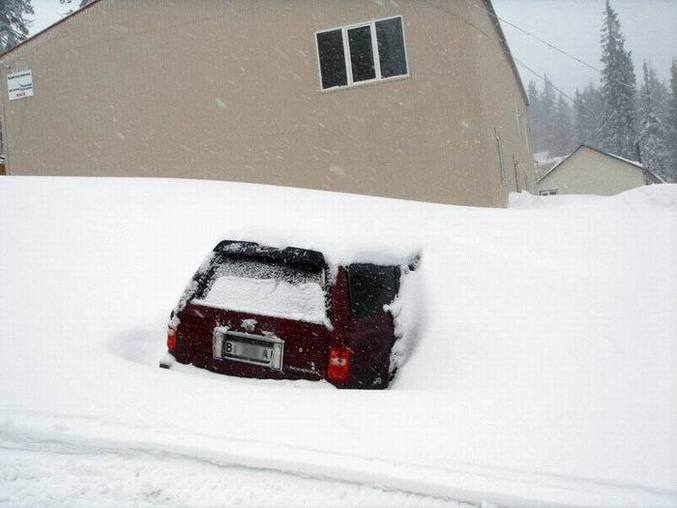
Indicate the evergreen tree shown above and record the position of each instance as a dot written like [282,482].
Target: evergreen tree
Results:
[83,3]
[660,95]
[13,22]
[551,120]
[588,111]
[535,120]
[547,108]
[66,2]
[563,129]
[619,90]
[652,135]
[671,166]
[580,119]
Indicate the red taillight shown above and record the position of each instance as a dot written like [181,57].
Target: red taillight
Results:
[338,369]
[171,340]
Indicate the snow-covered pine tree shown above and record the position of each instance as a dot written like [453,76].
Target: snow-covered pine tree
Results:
[563,129]
[619,90]
[588,112]
[82,4]
[13,22]
[543,114]
[535,116]
[671,169]
[652,135]
[548,108]
[660,95]
[580,119]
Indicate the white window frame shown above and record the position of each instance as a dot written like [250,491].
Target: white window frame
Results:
[374,49]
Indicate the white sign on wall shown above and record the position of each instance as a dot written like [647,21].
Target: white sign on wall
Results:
[20,85]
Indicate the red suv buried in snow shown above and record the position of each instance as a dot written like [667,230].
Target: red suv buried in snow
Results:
[263,312]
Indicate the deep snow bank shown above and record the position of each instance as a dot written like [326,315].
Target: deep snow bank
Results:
[544,371]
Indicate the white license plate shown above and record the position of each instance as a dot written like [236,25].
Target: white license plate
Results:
[266,351]
[251,352]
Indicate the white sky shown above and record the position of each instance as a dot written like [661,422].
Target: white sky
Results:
[573,25]
[48,12]
[650,27]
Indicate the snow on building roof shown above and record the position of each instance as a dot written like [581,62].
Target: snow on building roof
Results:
[636,164]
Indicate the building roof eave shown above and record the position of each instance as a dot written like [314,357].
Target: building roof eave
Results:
[50,27]
[547,173]
[613,156]
[506,49]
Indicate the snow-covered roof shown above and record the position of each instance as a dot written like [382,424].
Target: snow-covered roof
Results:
[636,164]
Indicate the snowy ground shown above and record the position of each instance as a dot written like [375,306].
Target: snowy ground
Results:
[544,374]
[62,474]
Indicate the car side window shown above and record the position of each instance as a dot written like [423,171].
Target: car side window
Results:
[371,287]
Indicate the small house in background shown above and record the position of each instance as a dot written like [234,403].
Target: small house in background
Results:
[591,171]
[2,166]
[405,99]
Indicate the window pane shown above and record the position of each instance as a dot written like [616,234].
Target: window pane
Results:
[371,287]
[391,47]
[361,55]
[332,59]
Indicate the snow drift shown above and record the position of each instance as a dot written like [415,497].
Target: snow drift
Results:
[544,370]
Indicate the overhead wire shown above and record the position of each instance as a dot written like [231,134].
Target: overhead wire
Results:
[548,43]
[545,79]
[500,42]
[542,77]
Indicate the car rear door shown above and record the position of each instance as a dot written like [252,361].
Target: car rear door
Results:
[371,328]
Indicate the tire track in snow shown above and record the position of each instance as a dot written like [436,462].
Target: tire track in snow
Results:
[463,482]
[64,475]
[363,494]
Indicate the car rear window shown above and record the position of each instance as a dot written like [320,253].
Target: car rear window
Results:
[371,287]
[266,289]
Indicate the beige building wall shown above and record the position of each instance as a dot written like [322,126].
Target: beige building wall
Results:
[231,91]
[588,171]
[503,106]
